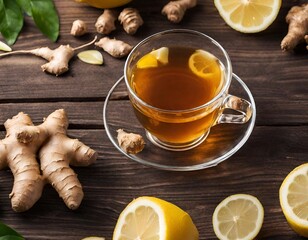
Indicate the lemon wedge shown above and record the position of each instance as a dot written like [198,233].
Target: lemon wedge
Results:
[293,195]
[204,64]
[248,16]
[153,218]
[238,217]
[153,58]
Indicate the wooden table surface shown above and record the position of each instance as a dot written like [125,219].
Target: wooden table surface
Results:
[278,143]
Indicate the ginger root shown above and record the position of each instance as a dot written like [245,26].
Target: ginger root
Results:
[297,18]
[175,10]
[56,153]
[130,142]
[21,159]
[105,23]
[131,20]
[58,59]
[115,48]
[79,28]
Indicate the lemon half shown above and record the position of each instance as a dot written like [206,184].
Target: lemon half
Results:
[105,3]
[248,16]
[153,218]
[293,195]
[238,217]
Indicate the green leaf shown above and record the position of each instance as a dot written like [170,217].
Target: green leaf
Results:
[6,231]
[11,18]
[46,18]
[25,6]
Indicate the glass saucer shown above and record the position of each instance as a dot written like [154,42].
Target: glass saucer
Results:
[222,142]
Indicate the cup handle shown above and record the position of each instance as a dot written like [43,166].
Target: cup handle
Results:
[240,105]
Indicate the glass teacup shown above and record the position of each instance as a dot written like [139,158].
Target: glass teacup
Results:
[178,83]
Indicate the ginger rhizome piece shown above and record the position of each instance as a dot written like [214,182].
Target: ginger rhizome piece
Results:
[131,20]
[175,10]
[115,48]
[56,152]
[297,18]
[58,59]
[130,142]
[105,23]
[79,28]
[20,157]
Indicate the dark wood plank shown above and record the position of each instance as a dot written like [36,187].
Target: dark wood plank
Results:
[113,181]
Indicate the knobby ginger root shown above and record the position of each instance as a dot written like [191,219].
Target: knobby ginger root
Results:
[175,10]
[297,18]
[20,157]
[115,48]
[131,20]
[79,28]
[130,142]
[105,23]
[56,153]
[58,59]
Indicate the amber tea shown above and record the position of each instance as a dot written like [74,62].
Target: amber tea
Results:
[179,80]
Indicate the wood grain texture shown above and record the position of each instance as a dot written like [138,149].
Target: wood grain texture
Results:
[278,81]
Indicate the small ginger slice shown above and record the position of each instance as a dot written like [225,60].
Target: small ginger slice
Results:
[105,23]
[131,20]
[297,18]
[114,47]
[130,142]
[175,10]
[79,28]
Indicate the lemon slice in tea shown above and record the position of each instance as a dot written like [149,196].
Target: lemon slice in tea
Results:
[204,65]
[153,58]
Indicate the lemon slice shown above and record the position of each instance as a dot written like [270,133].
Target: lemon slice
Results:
[238,217]
[153,218]
[293,195]
[248,16]
[204,64]
[153,58]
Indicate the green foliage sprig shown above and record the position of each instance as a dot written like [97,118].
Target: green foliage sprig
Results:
[7,233]
[43,12]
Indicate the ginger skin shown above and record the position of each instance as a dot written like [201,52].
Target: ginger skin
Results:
[131,20]
[297,18]
[20,157]
[175,10]
[105,23]
[56,153]
[79,28]
[58,59]
[130,142]
[115,48]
